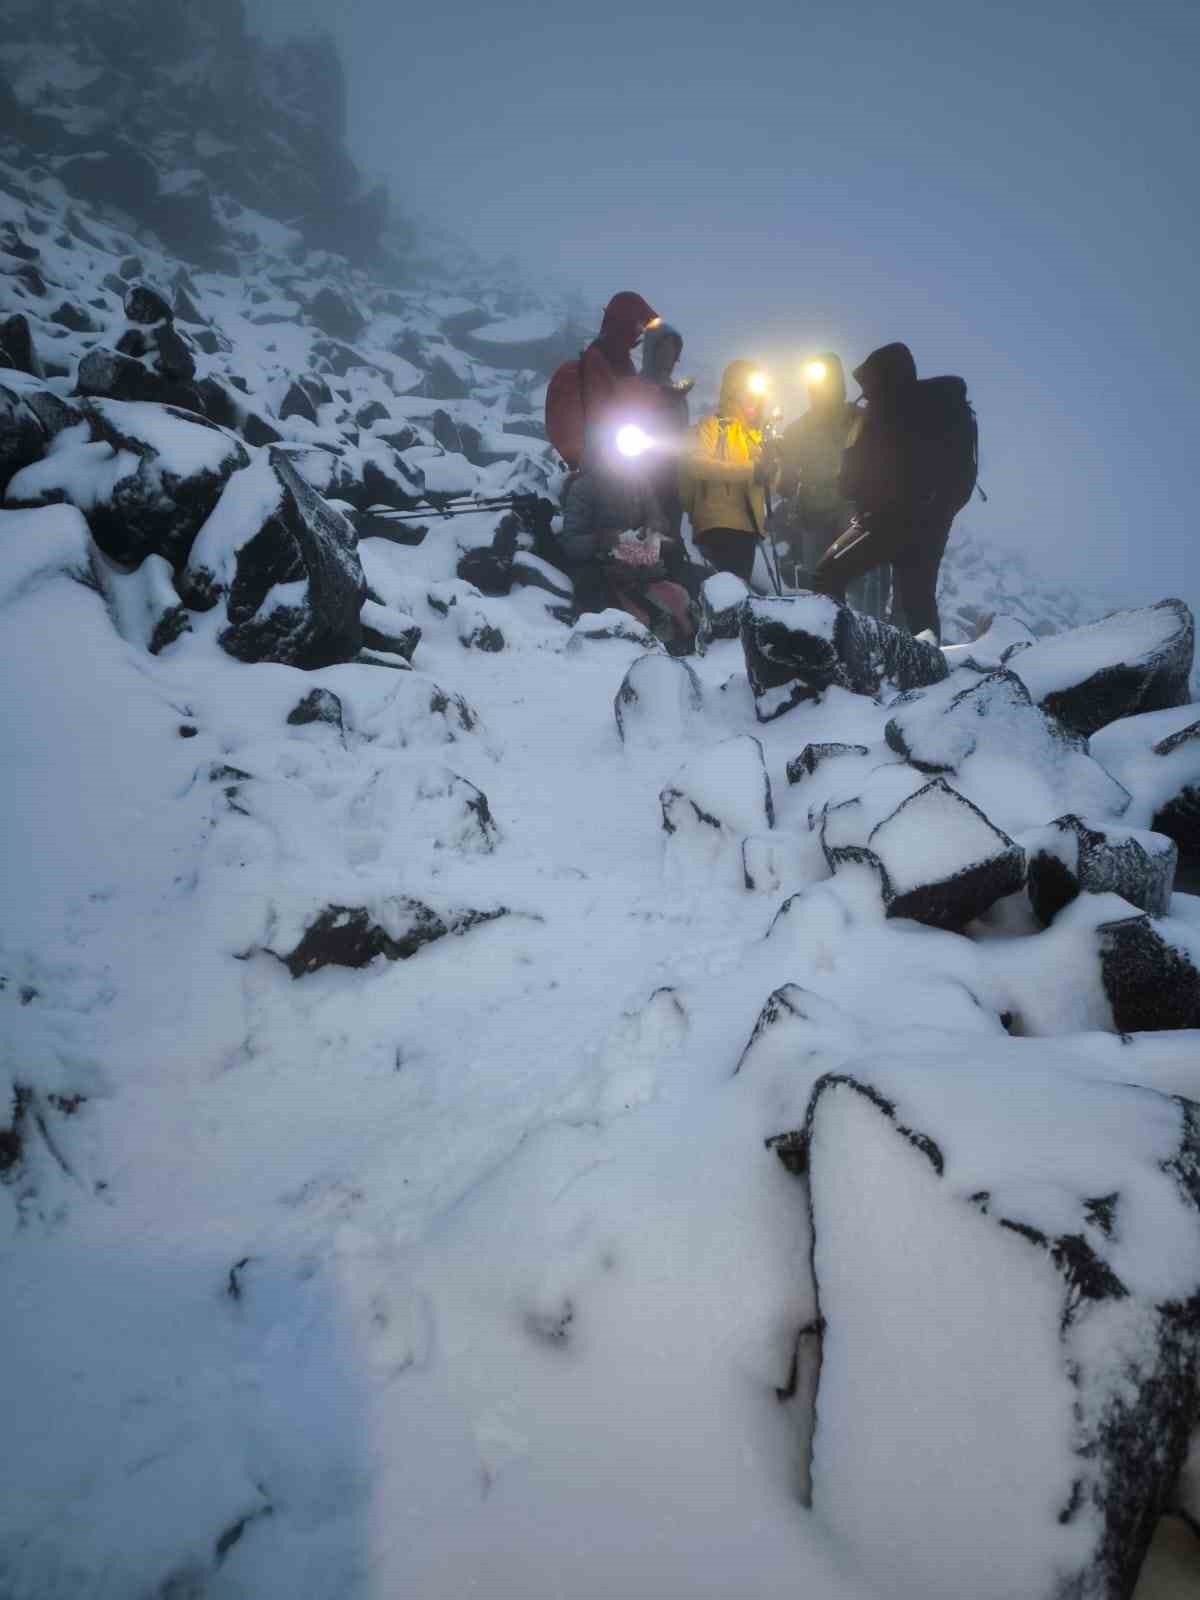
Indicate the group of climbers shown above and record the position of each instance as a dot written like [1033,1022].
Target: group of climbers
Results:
[865,493]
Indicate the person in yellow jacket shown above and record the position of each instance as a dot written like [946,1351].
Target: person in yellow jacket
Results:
[723,474]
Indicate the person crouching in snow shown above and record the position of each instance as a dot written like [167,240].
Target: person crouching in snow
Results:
[723,475]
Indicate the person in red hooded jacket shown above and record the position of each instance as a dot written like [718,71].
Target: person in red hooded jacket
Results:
[608,360]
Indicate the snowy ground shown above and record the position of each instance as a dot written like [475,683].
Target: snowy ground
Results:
[465,1274]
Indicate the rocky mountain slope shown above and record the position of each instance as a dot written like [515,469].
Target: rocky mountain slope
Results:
[486,1106]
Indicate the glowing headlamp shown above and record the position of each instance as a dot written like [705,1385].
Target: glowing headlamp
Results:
[758,383]
[632,441]
[655,322]
[815,372]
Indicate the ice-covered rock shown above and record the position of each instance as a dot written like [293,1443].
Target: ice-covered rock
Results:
[1006,754]
[1002,638]
[1132,661]
[144,604]
[659,701]
[721,599]
[1068,857]
[1157,757]
[146,476]
[797,646]
[394,927]
[943,862]
[1007,1288]
[285,565]
[717,799]
[610,624]
[385,628]
[1151,973]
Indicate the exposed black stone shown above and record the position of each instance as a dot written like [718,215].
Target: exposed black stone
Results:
[811,757]
[1072,858]
[144,304]
[335,314]
[349,936]
[1151,984]
[318,705]
[797,647]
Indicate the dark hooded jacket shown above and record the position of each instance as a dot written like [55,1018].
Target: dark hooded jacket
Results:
[876,473]
[609,356]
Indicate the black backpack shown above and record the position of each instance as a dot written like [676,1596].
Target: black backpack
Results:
[943,442]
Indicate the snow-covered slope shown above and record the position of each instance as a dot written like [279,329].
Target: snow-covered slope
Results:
[389,1054]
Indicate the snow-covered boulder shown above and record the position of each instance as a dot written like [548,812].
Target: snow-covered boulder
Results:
[1001,639]
[1132,661]
[1007,1285]
[1151,973]
[144,604]
[1069,857]
[610,624]
[146,476]
[38,546]
[815,755]
[1157,757]
[716,800]
[721,599]
[797,646]
[22,437]
[335,313]
[394,927]
[1007,754]
[285,565]
[943,862]
[318,706]
[659,701]
[385,628]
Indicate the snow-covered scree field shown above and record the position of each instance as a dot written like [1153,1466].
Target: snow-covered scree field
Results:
[488,1108]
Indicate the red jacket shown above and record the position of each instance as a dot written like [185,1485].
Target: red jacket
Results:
[607,360]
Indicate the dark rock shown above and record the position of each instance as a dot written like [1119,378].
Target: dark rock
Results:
[533,572]
[813,755]
[301,540]
[109,375]
[1151,982]
[335,314]
[131,267]
[475,632]
[944,862]
[22,436]
[296,403]
[342,358]
[1132,661]
[179,465]
[1072,1316]
[318,705]
[17,349]
[798,646]
[72,317]
[487,570]
[1158,758]
[185,306]
[1069,858]
[721,600]
[372,412]
[146,306]
[445,431]
[441,382]
[12,244]
[354,936]
[391,631]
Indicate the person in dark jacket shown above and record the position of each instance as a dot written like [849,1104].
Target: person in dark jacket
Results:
[661,349]
[606,362]
[814,511]
[905,475]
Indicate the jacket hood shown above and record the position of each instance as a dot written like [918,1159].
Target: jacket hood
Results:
[733,386]
[624,316]
[886,372]
[832,392]
[657,336]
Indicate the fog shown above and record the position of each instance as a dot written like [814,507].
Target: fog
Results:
[1007,190]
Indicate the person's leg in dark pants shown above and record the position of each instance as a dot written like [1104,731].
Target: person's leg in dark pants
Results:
[916,575]
[728,550]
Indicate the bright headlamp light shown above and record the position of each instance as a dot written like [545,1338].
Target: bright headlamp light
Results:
[758,383]
[815,372]
[632,441]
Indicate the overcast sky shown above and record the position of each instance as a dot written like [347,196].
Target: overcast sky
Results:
[1008,187]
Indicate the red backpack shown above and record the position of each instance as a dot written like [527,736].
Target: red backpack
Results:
[564,411]
[631,400]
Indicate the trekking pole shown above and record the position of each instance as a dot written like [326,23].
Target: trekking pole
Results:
[770,442]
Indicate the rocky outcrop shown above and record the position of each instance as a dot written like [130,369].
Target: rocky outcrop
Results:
[798,646]
[1069,858]
[1000,1282]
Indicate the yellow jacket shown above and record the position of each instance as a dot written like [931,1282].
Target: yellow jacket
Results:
[716,474]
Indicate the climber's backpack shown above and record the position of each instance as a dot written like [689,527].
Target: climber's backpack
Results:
[564,411]
[943,442]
